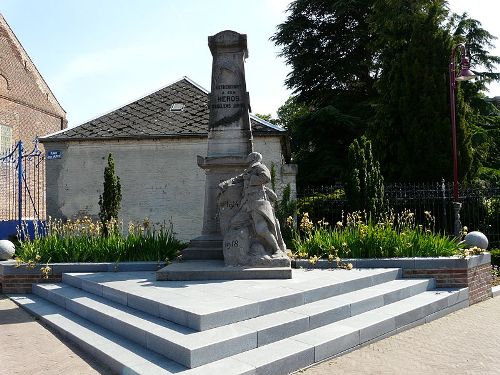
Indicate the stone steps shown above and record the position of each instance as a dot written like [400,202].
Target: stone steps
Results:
[211,304]
[300,351]
[121,355]
[193,349]
[284,325]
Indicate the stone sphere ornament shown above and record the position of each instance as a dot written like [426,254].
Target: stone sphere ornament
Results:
[7,250]
[476,238]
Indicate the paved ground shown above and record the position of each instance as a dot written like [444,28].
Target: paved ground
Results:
[28,348]
[464,342]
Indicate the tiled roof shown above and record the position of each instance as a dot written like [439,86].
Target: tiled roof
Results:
[150,117]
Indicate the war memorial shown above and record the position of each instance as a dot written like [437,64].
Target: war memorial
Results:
[233,304]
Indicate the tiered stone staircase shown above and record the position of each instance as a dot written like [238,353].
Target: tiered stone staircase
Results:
[137,325]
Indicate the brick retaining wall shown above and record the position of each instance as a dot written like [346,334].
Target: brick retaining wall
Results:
[15,279]
[23,283]
[477,279]
[453,272]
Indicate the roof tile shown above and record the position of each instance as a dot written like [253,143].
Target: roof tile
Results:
[151,116]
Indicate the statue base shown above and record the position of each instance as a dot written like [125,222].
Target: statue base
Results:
[217,270]
[204,248]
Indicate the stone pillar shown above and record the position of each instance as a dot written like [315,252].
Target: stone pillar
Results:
[229,135]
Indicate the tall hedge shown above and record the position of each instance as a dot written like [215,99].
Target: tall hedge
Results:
[364,184]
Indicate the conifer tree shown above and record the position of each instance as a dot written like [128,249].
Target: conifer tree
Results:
[110,200]
[411,129]
[364,182]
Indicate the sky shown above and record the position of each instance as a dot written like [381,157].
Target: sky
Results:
[97,55]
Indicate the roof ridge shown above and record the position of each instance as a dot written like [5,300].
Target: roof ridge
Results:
[267,123]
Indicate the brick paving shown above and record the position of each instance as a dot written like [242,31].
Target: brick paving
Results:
[464,342]
[28,347]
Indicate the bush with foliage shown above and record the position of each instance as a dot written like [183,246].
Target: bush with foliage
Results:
[364,182]
[495,257]
[357,236]
[323,205]
[81,240]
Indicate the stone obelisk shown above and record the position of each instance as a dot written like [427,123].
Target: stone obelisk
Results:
[229,135]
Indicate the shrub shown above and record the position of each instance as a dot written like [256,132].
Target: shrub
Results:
[495,257]
[323,206]
[364,182]
[110,200]
[392,235]
[82,241]
[286,208]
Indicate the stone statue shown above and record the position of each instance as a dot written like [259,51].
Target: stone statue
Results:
[252,235]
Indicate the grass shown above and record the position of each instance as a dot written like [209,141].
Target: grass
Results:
[356,236]
[82,241]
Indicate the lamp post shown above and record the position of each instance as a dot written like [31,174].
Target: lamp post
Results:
[464,75]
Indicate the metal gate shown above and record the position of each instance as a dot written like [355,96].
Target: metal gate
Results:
[22,188]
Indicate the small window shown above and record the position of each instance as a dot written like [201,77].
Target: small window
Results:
[177,107]
[5,138]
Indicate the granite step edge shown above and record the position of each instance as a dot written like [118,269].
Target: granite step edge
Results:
[206,346]
[114,351]
[203,321]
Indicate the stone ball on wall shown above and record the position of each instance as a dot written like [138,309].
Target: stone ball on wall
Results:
[476,238]
[7,249]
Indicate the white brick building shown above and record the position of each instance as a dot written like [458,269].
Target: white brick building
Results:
[155,142]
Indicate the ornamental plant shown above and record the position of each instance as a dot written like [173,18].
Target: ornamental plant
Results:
[81,240]
[110,200]
[359,235]
[364,182]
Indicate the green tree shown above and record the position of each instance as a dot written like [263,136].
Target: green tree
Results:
[266,116]
[319,140]
[481,113]
[411,127]
[364,186]
[327,45]
[110,200]
[383,63]
[326,42]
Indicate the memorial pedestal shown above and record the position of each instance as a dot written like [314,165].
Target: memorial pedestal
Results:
[216,270]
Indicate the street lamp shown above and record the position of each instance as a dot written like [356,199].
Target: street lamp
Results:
[464,75]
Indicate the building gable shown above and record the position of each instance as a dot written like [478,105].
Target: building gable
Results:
[20,81]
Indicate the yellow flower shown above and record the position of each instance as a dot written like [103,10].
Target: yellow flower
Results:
[313,259]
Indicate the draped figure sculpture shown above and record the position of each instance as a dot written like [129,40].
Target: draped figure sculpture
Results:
[252,235]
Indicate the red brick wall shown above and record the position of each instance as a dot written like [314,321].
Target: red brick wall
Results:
[27,105]
[23,283]
[26,102]
[477,279]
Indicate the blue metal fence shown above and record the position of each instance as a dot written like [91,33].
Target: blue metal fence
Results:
[22,187]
